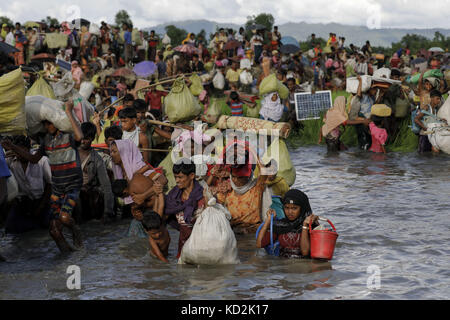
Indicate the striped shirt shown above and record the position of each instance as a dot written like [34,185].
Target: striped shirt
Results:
[236,109]
[64,160]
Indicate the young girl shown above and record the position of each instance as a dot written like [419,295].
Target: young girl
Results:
[378,133]
[292,231]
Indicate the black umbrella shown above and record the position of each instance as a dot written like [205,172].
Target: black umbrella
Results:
[6,48]
[81,22]
[257,27]
[289,48]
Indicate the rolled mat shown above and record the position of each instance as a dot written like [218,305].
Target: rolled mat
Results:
[281,129]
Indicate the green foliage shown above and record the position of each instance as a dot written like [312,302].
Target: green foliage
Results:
[406,140]
[416,42]
[265,19]
[176,35]
[308,44]
[4,19]
[123,17]
[49,21]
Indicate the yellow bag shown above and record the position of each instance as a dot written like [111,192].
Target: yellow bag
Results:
[12,103]
[381,110]
[197,85]
[285,167]
[56,40]
[180,103]
[41,88]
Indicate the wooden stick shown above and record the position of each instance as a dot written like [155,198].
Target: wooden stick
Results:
[153,150]
[155,84]
[109,107]
[164,124]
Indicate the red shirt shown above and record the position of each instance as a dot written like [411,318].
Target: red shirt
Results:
[153,99]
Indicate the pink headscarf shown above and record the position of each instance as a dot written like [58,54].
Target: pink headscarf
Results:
[132,161]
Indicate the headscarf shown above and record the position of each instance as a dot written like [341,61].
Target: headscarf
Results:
[132,161]
[335,116]
[174,205]
[271,109]
[297,197]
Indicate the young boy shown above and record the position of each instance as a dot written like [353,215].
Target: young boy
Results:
[67,178]
[236,105]
[158,236]
[128,119]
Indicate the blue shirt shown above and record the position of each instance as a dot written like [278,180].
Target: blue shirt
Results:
[4,170]
[127,37]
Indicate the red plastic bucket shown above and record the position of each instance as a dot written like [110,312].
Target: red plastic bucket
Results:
[322,242]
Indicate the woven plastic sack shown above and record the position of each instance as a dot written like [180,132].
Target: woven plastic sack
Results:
[39,108]
[12,101]
[253,112]
[401,107]
[246,77]
[197,85]
[212,241]
[41,88]
[166,40]
[268,84]
[436,73]
[219,81]
[214,112]
[353,83]
[285,167]
[282,90]
[56,40]
[86,89]
[136,37]
[181,105]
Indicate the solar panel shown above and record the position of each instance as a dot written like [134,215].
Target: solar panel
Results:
[309,106]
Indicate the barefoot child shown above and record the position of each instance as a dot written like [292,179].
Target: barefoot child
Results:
[158,236]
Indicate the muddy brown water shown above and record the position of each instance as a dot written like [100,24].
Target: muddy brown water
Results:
[392,213]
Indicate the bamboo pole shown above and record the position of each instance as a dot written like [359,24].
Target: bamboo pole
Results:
[156,84]
[165,124]
[109,107]
[153,150]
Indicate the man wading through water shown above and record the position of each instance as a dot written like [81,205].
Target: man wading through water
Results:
[67,177]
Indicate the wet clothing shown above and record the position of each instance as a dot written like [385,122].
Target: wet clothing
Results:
[97,183]
[62,152]
[379,137]
[63,204]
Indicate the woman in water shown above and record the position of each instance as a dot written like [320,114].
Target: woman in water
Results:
[292,231]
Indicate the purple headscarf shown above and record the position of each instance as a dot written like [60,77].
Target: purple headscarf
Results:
[132,161]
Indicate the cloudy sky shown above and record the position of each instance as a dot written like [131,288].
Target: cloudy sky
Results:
[146,13]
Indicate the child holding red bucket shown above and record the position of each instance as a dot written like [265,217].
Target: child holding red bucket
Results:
[292,232]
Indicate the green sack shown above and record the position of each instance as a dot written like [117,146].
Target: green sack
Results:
[208,66]
[436,73]
[180,103]
[401,108]
[253,112]
[197,85]
[136,37]
[285,167]
[272,84]
[214,111]
[41,88]
[268,84]
[283,91]
[167,165]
